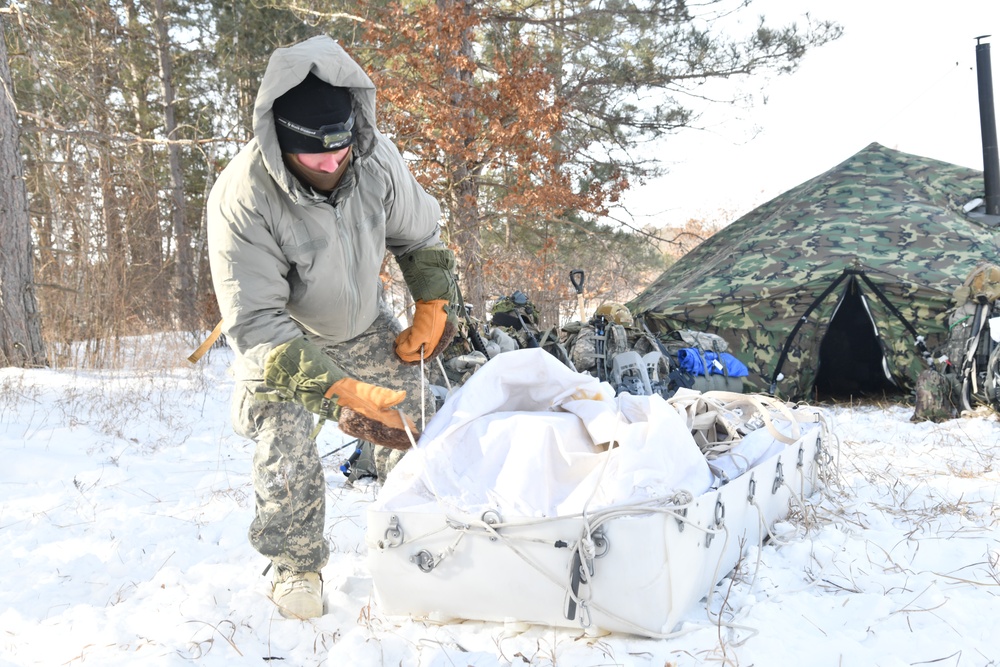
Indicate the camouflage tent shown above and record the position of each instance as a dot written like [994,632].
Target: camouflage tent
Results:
[830,286]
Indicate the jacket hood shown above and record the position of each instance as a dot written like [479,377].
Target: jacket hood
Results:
[286,68]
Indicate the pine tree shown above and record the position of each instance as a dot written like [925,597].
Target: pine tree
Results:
[526,115]
[21,341]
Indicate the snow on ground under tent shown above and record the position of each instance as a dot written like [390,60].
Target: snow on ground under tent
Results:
[125,499]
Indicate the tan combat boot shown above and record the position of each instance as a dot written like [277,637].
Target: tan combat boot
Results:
[298,594]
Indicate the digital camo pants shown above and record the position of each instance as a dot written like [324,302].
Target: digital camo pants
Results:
[288,477]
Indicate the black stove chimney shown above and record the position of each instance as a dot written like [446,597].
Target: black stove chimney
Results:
[988,123]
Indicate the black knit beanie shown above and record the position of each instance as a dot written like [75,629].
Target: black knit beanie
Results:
[311,104]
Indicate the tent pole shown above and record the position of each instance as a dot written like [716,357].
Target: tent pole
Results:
[924,352]
[798,325]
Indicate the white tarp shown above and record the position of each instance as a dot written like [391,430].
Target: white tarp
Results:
[526,436]
[513,487]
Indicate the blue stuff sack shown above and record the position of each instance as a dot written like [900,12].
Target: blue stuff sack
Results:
[694,361]
[734,367]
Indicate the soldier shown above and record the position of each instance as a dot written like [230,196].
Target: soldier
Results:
[298,224]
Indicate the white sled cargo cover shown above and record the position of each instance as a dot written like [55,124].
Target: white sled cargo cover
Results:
[535,495]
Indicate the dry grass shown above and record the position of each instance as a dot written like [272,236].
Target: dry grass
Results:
[128,402]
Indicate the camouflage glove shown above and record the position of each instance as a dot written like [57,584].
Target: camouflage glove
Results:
[300,371]
[434,327]
[429,274]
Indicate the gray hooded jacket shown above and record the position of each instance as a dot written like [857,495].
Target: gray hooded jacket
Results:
[287,260]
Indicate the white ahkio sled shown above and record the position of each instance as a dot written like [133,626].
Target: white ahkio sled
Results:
[537,496]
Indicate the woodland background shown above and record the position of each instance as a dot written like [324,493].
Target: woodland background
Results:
[527,120]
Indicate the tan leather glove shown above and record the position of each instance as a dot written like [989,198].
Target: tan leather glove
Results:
[369,412]
[433,329]
[299,371]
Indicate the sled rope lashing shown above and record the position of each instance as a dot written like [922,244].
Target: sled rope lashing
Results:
[584,551]
[427,561]
[423,395]
[587,552]
[720,528]
[602,517]
[394,536]
[406,427]
[822,459]
[423,405]
[492,527]
[752,501]
[447,382]
[582,568]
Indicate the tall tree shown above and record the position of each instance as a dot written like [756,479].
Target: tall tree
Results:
[523,118]
[245,34]
[121,97]
[21,341]
[474,105]
[184,271]
[526,114]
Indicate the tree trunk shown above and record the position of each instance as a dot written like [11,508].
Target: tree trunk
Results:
[21,341]
[182,235]
[466,234]
[144,232]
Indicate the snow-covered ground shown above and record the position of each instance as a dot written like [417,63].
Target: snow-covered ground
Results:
[125,498]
